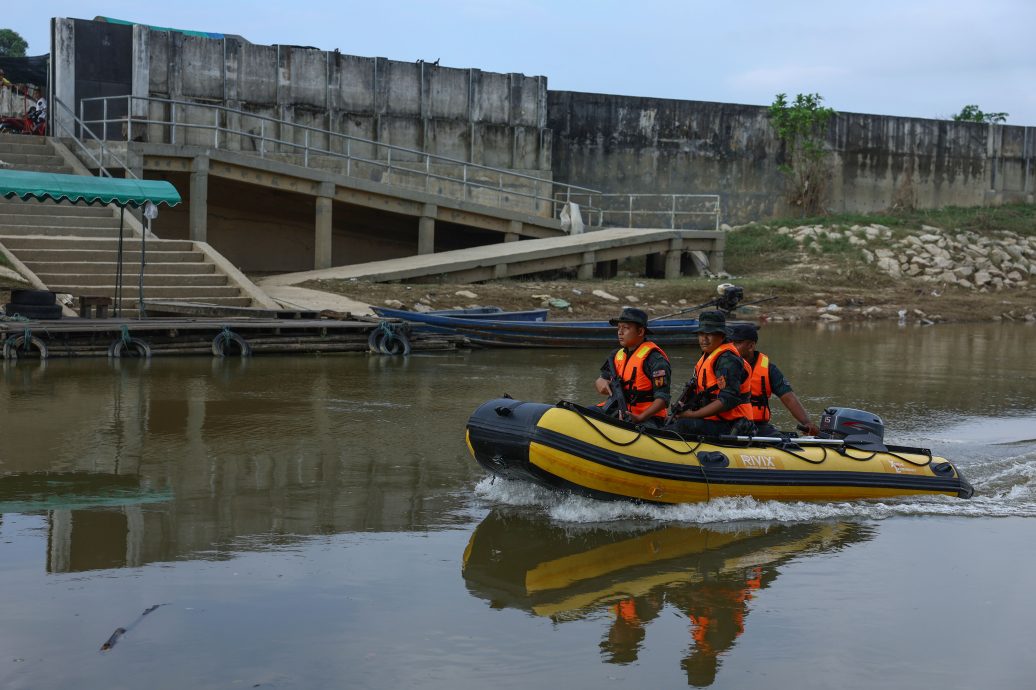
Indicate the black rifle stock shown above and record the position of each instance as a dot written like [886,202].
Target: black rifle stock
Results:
[616,404]
[688,400]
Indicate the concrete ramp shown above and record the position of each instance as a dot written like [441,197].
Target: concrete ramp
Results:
[510,259]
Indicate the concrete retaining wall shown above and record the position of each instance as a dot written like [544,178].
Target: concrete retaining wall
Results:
[650,145]
[475,116]
[619,144]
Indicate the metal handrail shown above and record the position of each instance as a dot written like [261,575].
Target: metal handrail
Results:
[422,166]
[600,206]
[101,149]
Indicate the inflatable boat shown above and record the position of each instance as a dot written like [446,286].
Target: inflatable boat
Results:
[577,449]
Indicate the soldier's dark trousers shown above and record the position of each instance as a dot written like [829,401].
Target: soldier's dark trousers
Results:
[700,427]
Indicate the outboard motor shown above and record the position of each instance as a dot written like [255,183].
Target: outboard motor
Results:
[857,428]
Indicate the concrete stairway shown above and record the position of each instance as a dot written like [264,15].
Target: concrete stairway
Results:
[74,248]
[23,152]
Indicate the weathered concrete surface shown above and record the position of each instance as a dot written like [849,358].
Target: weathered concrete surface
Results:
[480,117]
[261,214]
[510,259]
[293,297]
[651,145]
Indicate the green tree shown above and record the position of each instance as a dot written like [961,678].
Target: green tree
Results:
[802,127]
[971,113]
[12,44]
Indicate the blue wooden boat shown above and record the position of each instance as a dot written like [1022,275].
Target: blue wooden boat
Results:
[492,332]
[494,313]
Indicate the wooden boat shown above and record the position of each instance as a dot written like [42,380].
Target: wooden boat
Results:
[581,450]
[491,330]
[486,330]
[480,313]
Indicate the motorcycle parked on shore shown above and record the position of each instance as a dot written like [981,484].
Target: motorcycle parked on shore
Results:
[29,123]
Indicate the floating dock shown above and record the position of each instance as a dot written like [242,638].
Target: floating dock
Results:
[225,336]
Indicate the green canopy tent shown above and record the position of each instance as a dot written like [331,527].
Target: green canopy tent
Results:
[96,190]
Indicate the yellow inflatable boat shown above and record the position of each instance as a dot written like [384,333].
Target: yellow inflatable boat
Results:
[578,449]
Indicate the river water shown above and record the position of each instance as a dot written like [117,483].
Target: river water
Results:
[317,522]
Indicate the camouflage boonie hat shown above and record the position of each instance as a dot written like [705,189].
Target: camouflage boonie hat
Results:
[712,322]
[744,331]
[631,315]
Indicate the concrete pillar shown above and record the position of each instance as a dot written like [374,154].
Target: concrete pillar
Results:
[499,271]
[510,237]
[586,266]
[323,226]
[426,230]
[140,76]
[514,231]
[199,199]
[673,265]
[63,60]
[716,256]
[672,258]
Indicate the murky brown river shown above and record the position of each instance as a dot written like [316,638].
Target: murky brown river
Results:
[316,522]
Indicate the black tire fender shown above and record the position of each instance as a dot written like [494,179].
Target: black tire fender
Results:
[14,343]
[221,341]
[132,347]
[395,344]
[374,340]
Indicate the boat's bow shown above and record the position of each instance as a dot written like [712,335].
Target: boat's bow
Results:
[499,432]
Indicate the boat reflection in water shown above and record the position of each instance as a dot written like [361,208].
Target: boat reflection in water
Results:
[710,575]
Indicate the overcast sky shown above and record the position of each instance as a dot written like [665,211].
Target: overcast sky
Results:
[920,58]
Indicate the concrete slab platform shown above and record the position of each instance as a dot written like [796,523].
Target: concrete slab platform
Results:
[518,258]
[292,297]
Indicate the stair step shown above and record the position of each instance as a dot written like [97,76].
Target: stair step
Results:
[16,207]
[70,232]
[8,221]
[132,277]
[18,143]
[199,293]
[31,256]
[128,306]
[62,169]
[130,266]
[14,242]
[43,157]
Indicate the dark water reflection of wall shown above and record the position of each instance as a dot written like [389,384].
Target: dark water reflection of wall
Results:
[244,454]
[280,447]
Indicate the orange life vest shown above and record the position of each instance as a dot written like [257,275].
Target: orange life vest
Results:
[706,382]
[636,383]
[759,398]
[627,611]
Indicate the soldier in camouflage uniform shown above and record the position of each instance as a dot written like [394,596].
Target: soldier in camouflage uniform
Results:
[767,380]
[640,367]
[715,401]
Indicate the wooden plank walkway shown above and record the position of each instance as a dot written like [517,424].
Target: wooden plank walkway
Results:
[76,337]
[510,259]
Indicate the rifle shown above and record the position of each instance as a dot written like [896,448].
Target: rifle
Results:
[688,400]
[616,404]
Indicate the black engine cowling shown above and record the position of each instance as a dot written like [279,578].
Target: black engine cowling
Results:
[856,427]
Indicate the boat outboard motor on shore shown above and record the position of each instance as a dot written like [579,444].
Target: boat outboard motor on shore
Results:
[858,428]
